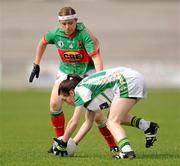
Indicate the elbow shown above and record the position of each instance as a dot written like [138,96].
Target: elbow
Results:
[42,43]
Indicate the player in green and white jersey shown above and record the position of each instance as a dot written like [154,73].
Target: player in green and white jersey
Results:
[120,89]
[79,53]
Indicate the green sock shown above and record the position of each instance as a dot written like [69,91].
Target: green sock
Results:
[140,123]
[124,145]
[123,142]
[135,122]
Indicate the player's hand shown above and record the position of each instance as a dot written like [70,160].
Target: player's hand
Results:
[60,147]
[35,72]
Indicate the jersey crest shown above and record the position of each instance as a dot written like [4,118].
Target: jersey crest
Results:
[60,44]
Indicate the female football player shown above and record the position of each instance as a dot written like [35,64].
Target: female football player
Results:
[79,53]
[120,88]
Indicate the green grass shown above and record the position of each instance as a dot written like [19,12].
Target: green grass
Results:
[26,133]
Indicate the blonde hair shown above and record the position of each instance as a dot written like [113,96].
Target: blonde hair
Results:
[65,11]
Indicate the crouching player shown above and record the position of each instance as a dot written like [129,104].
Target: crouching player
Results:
[120,88]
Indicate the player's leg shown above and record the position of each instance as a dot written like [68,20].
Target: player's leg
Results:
[56,112]
[100,121]
[119,109]
[57,115]
[131,120]
[150,128]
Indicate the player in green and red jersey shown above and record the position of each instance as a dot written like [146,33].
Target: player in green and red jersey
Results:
[79,53]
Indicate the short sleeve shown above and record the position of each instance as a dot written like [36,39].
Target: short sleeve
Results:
[78,100]
[90,42]
[82,96]
[49,37]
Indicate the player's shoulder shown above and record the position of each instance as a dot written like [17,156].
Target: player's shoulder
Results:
[80,26]
[84,32]
[83,92]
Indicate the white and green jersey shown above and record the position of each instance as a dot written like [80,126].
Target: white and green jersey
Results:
[104,85]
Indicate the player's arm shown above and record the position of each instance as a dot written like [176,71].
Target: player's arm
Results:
[39,53]
[61,145]
[40,50]
[72,124]
[96,56]
[86,126]
[98,62]
[93,48]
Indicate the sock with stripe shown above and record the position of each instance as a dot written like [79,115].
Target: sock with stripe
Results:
[107,136]
[58,121]
[124,145]
[140,123]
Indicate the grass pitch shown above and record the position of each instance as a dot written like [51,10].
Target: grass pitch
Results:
[26,132]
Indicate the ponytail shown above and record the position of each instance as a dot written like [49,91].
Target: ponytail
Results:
[74,77]
[69,84]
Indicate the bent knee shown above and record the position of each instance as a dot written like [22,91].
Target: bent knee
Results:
[115,119]
[112,122]
[100,119]
[55,106]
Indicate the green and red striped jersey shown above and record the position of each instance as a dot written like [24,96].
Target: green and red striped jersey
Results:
[75,52]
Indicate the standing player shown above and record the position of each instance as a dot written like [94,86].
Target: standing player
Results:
[121,88]
[79,53]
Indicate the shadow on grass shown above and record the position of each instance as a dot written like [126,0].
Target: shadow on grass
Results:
[139,156]
[158,156]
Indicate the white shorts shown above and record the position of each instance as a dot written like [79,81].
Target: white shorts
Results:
[136,90]
[101,102]
[63,76]
[136,85]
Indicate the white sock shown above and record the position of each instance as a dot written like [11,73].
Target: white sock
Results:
[126,148]
[144,125]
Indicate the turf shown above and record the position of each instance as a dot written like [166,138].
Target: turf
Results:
[26,133]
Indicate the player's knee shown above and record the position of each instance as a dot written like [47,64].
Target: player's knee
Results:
[54,106]
[100,119]
[112,122]
[115,119]
[100,122]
